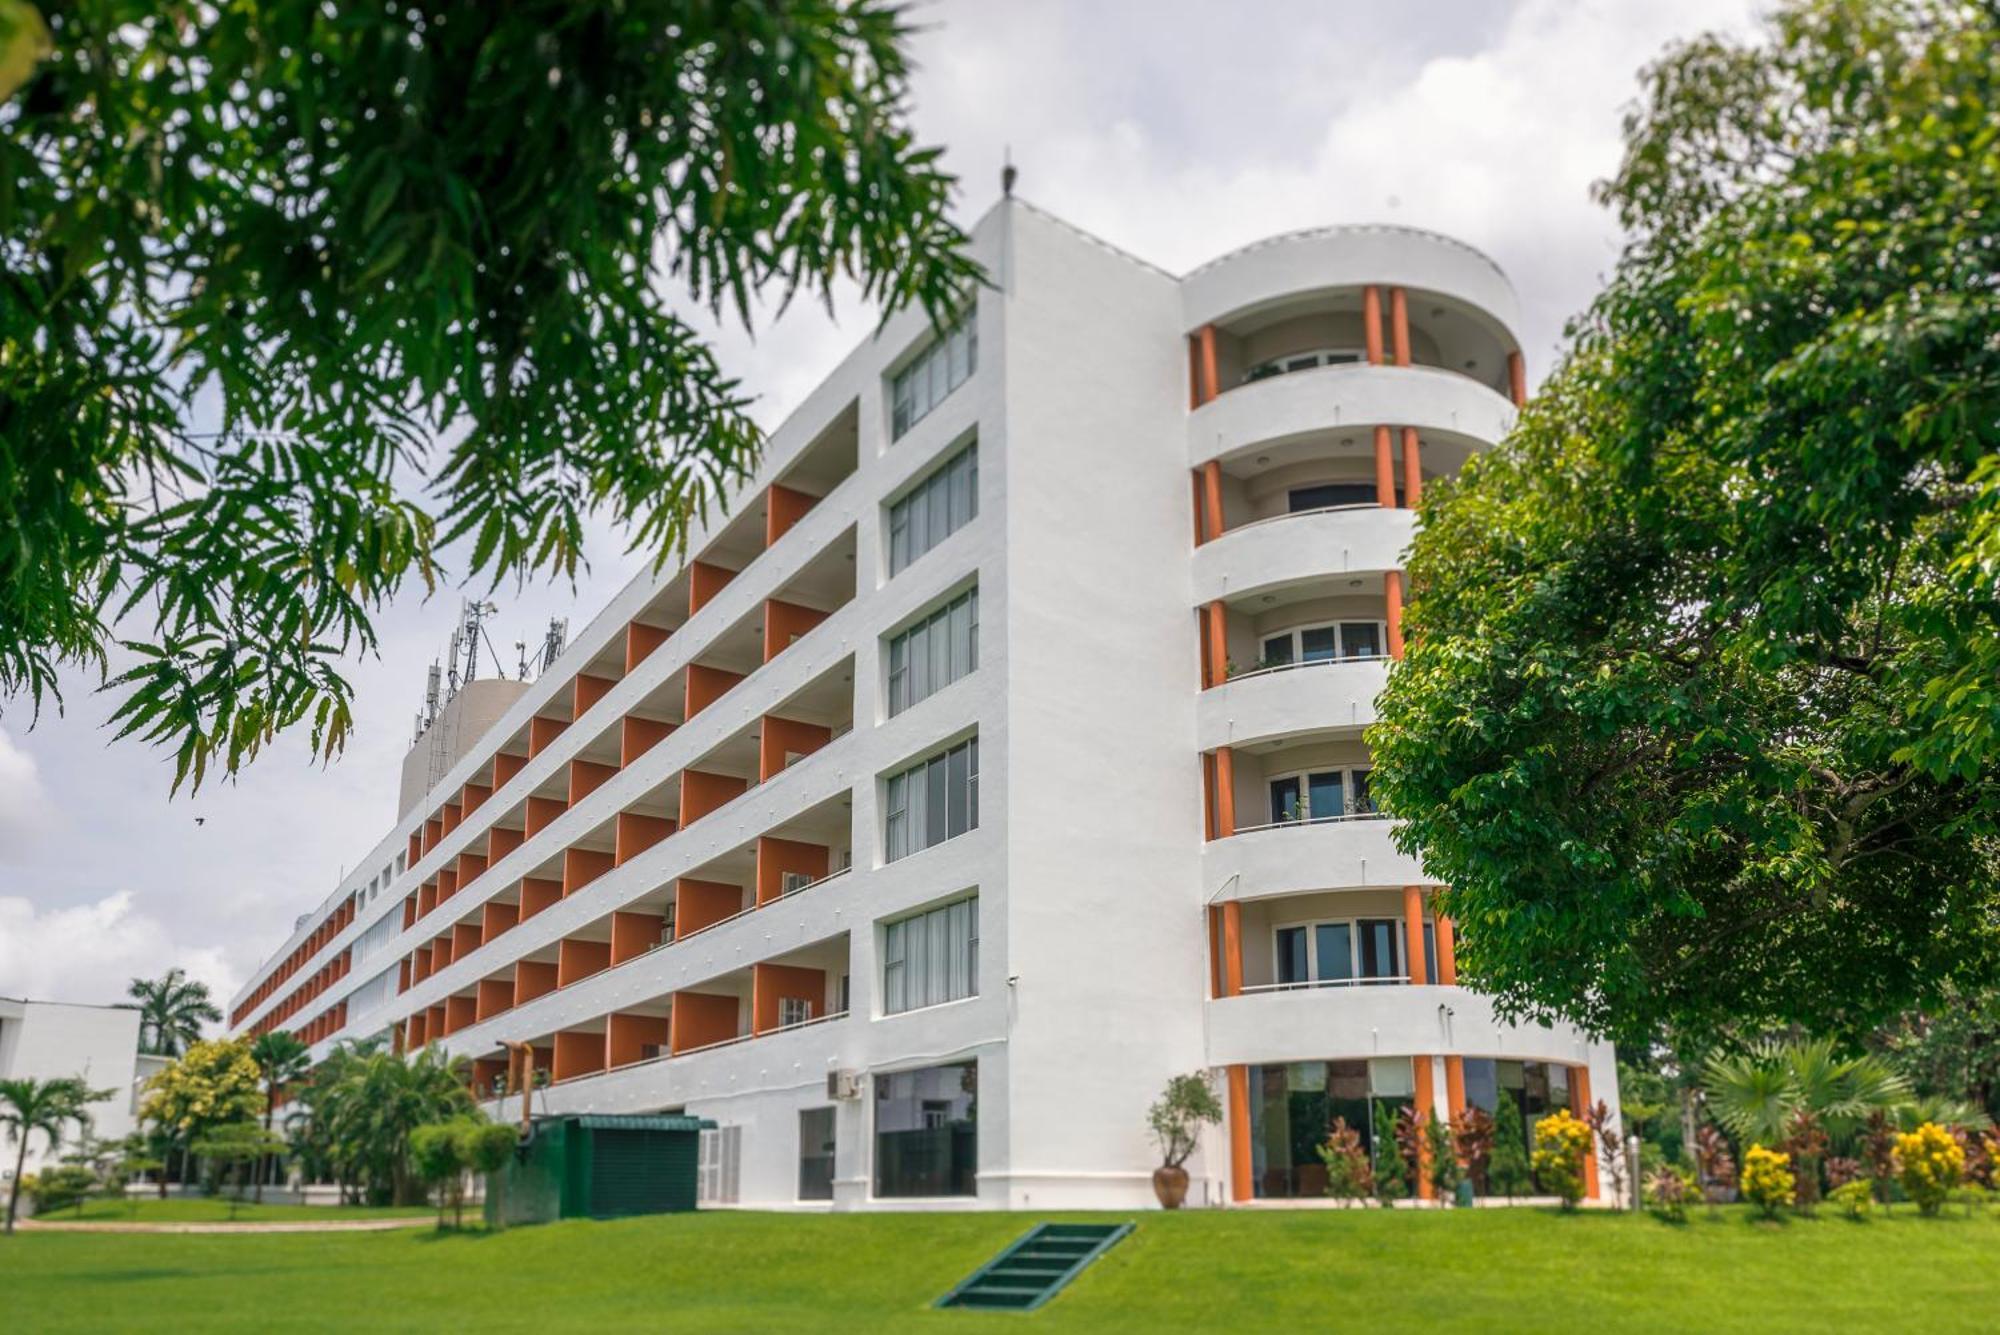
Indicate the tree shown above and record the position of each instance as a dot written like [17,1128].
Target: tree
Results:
[47,1106]
[172,1010]
[365,1101]
[1440,1159]
[1392,1180]
[1699,720]
[1178,1116]
[1757,1094]
[367,233]
[443,1153]
[1348,1177]
[283,1058]
[1472,1134]
[235,1146]
[214,1083]
[1952,1049]
[1508,1170]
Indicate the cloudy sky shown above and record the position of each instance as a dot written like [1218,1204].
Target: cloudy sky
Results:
[1175,129]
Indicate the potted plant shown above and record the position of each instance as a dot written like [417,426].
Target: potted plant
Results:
[1176,1118]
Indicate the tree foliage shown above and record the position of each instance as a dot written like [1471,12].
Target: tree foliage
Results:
[1702,710]
[172,1010]
[1758,1094]
[430,243]
[364,1102]
[214,1083]
[1186,1105]
[28,1105]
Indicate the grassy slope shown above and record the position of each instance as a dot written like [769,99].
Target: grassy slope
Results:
[199,1210]
[1484,1270]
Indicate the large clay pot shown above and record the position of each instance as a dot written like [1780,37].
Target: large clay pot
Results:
[1170,1185]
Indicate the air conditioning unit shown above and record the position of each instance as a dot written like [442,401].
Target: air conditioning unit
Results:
[843,1084]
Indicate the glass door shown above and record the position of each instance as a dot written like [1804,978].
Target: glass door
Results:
[1380,957]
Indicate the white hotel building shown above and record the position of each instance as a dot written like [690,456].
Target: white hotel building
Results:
[999,755]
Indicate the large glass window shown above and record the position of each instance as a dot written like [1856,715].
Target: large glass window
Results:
[934,653]
[1329,494]
[935,508]
[1302,361]
[1323,644]
[932,957]
[1320,795]
[933,801]
[1292,1107]
[926,1131]
[1360,950]
[1536,1089]
[938,370]
[815,1154]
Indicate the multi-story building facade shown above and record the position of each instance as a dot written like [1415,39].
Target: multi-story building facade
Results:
[997,756]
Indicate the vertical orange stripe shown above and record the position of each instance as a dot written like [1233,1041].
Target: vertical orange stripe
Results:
[1371,322]
[1211,485]
[1399,326]
[1385,470]
[1392,593]
[1240,1185]
[1225,793]
[1447,944]
[1210,382]
[1232,949]
[1454,1086]
[1218,644]
[1579,1093]
[1413,469]
[1517,378]
[1413,928]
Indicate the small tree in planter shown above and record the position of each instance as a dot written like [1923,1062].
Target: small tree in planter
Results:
[1472,1141]
[1392,1181]
[1176,1119]
[1562,1147]
[1508,1170]
[1348,1177]
[1441,1160]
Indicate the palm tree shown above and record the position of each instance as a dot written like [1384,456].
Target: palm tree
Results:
[28,1106]
[172,1011]
[1758,1093]
[284,1059]
[364,1102]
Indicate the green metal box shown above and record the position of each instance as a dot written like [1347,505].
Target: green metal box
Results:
[589,1167]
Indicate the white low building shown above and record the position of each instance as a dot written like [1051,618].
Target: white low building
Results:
[48,1040]
[996,757]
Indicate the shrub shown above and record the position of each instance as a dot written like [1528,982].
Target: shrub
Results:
[1472,1141]
[1855,1197]
[1188,1104]
[444,1152]
[1712,1157]
[1767,1181]
[1931,1164]
[1507,1171]
[1669,1191]
[1840,1171]
[59,1185]
[1441,1160]
[1348,1177]
[1562,1147]
[1806,1143]
[1392,1180]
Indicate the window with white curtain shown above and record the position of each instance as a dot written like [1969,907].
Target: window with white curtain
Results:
[936,508]
[932,957]
[934,653]
[938,370]
[930,802]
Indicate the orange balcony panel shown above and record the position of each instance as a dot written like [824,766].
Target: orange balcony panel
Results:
[581,866]
[434,1021]
[542,732]
[699,904]
[640,640]
[785,622]
[420,969]
[506,767]
[704,582]
[586,777]
[776,856]
[496,918]
[533,978]
[453,813]
[702,793]
[409,912]
[470,797]
[627,1037]
[433,831]
[416,847]
[403,975]
[633,934]
[459,1012]
[635,833]
[577,960]
[414,1036]
[447,883]
[637,736]
[538,893]
[470,866]
[772,983]
[782,741]
[577,1054]
[494,995]
[465,938]
[542,813]
[701,1018]
[783,508]
[586,691]
[441,955]
[500,841]
[706,685]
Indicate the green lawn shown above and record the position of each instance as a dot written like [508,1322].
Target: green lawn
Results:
[203,1210]
[1306,1270]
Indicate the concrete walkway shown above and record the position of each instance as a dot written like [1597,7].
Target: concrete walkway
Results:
[268,1226]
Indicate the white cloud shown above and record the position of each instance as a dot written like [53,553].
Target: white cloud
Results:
[90,953]
[25,810]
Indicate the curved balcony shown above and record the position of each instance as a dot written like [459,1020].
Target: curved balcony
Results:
[1344,853]
[1291,417]
[1290,701]
[1284,268]
[1316,1023]
[1295,549]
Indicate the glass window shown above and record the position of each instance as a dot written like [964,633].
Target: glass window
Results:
[1380,958]
[922,385]
[1300,499]
[815,1154]
[1285,800]
[932,957]
[934,509]
[1323,644]
[931,802]
[1277,651]
[926,1136]
[1323,794]
[1292,967]
[934,653]
[1319,645]
[1301,361]
[1360,639]
[1333,942]
[1292,1105]
[1364,802]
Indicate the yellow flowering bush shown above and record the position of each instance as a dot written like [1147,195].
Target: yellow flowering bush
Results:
[1562,1144]
[213,1084]
[1767,1181]
[1930,1163]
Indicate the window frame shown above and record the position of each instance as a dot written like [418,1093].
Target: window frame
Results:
[1320,358]
[1295,636]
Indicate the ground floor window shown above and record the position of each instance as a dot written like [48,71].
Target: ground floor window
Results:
[816,1154]
[1535,1088]
[926,1131]
[1293,1105]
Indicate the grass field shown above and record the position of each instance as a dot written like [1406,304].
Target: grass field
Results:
[1478,1270]
[203,1210]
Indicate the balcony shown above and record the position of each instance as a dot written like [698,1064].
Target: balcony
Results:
[1329,412]
[1290,700]
[1294,556]
[1342,853]
[1322,1023]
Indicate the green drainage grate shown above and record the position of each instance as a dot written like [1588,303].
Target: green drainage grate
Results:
[1035,1267]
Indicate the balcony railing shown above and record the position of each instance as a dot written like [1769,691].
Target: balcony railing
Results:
[1265,671]
[1309,820]
[1374,980]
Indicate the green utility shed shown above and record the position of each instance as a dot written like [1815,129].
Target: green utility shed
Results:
[590,1167]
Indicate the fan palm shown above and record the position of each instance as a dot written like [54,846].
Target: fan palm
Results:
[28,1106]
[1756,1094]
[284,1059]
[1943,1111]
[172,1011]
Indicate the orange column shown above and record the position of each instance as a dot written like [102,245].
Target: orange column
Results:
[1240,1186]
[1413,468]
[1517,378]
[1211,500]
[1385,470]
[1426,1103]
[1217,619]
[1454,1086]
[1210,381]
[1399,326]
[1447,944]
[1392,594]
[1232,949]
[1371,322]
[1579,1094]
[1413,929]
[1225,793]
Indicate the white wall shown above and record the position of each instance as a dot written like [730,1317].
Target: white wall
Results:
[45,1040]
